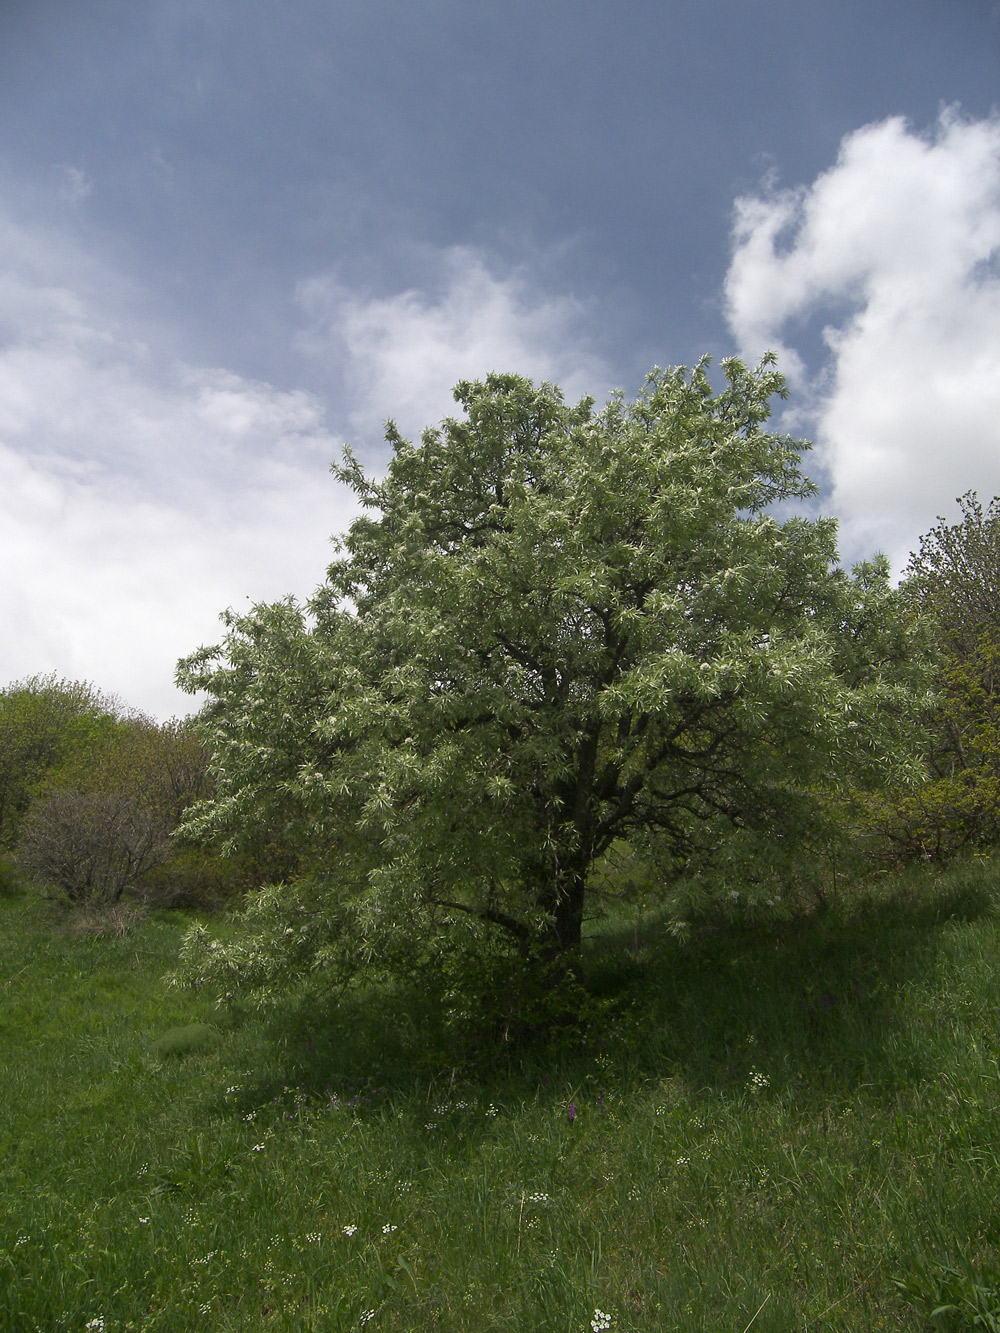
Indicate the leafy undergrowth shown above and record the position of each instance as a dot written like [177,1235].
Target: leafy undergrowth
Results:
[784,1127]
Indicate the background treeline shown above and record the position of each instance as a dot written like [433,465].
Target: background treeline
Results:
[91,793]
[952,587]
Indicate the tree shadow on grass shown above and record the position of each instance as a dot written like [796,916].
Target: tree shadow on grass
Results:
[817,1001]
[819,998]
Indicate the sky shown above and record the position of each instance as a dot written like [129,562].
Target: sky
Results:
[238,234]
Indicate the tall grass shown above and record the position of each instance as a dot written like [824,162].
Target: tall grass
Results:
[784,1127]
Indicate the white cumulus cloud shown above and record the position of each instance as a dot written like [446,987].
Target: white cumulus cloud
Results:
[403,353]
[142,494]
[139,496]
[896,248]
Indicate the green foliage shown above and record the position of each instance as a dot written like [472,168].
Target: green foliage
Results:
[958,807]
[954,576]
[42,720]
[555,631]
[952,585]
[91,793]
[954,1296]
[490,998]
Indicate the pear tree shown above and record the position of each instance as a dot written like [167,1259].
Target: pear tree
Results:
[553,631]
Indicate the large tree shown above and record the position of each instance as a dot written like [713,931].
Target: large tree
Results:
[553,631]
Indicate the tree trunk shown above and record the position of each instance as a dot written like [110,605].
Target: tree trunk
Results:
[557,949]
[568,915]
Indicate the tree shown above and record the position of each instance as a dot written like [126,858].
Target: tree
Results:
[553,631]
[92,846]
[954,576]
[42,719]
[952,586]
[90,792]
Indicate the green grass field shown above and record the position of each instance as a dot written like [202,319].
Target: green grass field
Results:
[786,1128]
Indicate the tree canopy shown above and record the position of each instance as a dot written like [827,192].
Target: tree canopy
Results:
[954,576]
[43,720]
[555,631]
[952,584]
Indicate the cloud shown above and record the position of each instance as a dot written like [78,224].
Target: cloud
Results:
[402,354]
[897,249]
[139,495]
[75,185]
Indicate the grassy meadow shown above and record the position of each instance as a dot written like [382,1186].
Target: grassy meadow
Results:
[790,1127]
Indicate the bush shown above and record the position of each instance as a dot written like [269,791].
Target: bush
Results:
[952,586]
[42,721]
[92,847]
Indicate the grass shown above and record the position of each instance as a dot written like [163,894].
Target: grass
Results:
[779,1128]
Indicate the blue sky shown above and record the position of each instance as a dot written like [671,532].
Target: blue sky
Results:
[234,235]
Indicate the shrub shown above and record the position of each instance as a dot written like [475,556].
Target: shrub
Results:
[92,847]
[42,721]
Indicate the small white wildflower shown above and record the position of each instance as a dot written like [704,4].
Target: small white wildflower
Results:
[258,1147]
[388,1227]
[21,1240]
[540,1197]
[367,1317]
[206,1308]
[144,1221]
[250,1115]
[232,1091]
[431,1124]
[313,1237]
[492,1111]
[350,1229]
[96,1324]
[758,1081]
[601,1321]
[684,1161]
